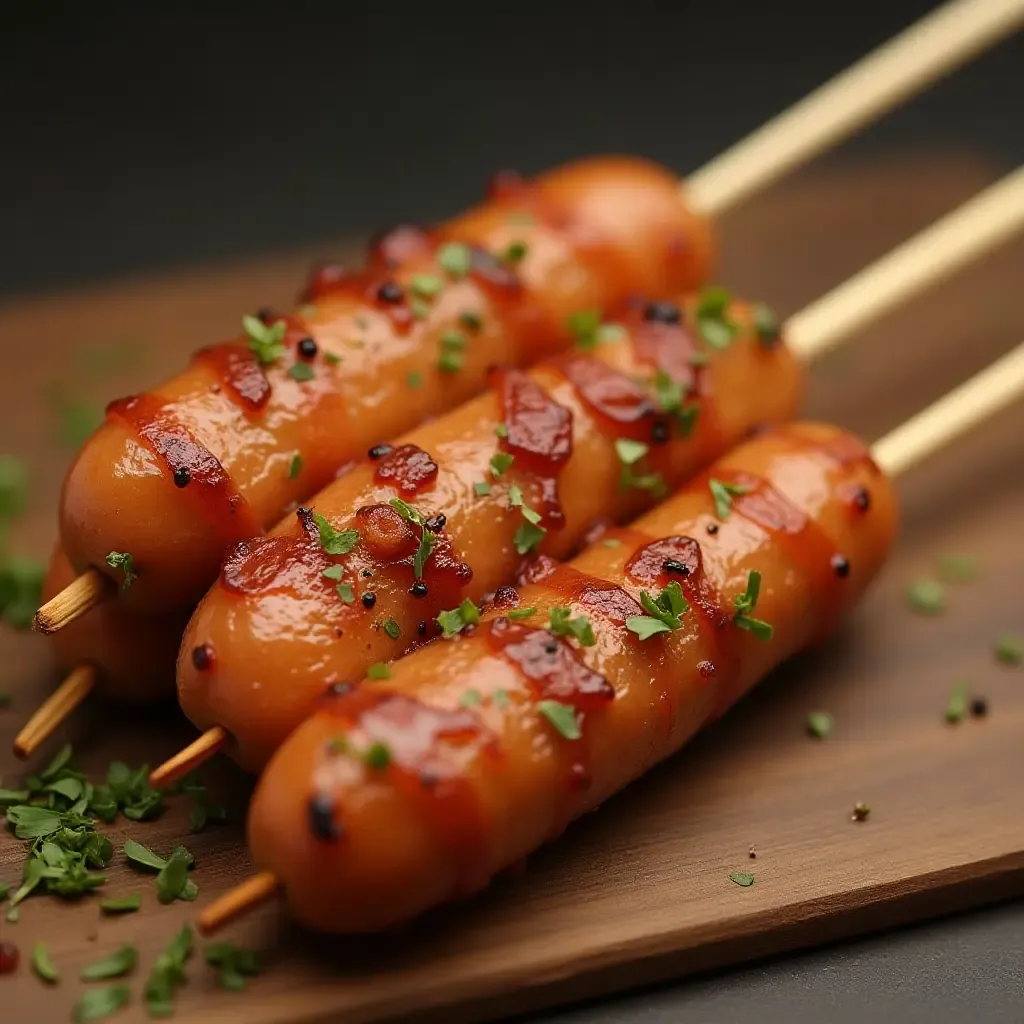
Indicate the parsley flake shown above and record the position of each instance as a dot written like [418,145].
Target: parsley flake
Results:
[481,488]
[766,323]
[392,629]
[266,341]
[956,705]
[168,974]
[629,453]
[745,603]
[116,965]
[126,563]
[562,625]
[43,965]
[377,756]
[742,878]
[414,379]
[670,397]
[589,331]
[664,613]
[455,620]
[455,259]
[122,905]
[500,461]
[1010,650]
[426,285]
[713,323]
[723,493]
[235,964]
[819,724]
[98,1003]
[335,542]
[470,320]
[295,467]
[528,536]
[379,670]
[301,371]
[470,698]
[927,597]
[562,717]
[519,614]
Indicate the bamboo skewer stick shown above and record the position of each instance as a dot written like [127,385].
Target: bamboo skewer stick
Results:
[920,55]
[55,709]
[932,47]
[81,594]
[983,396]
[981,223]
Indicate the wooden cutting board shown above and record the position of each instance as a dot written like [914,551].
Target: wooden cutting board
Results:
[641,890]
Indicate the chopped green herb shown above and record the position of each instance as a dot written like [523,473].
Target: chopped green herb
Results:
[266,341]
[116,965]
[295,467]
[332,358]
[519,614]
[21,590]
[98,1003]
[515,252]
[612,542]
[301,371]
[501,430]
[420,308]
[958,568]
[819,724]
[745,603]
[742,878]
[500,699]
[13,486]
[664,613]
[481,488]
[713,323]
[414,379]
[126,563]
[392,629]
[500,461]
[766,323]
[43,965]
[562,625]
[470,320]
[426,547]
[723,494]
[455,259]
[927,597]
[455,620]
[1010,650]
[527,537]
[629,453]
[172,881]
[13,914]
[5,888]
[203,812]
[377,756]
[562,717]
[515,496]
[470,698]
[379,670]
[123,905]
[335,542]
[956,705]
[141,856]
[589,332]
[670,397]
[167,974]
[235,964]
[426,285]
[346,593]
[450,361]
[406,511]
[334,572]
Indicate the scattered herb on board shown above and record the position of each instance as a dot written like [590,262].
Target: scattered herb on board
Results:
[713,322]
[455,620]
[21,590]
[13,486]
[745,603]
[124,561]
[122,905]
[629,453]
[77,419]
[1010,650]
[172,881]
[664,612]
[167,974]
[295,466]
[43,965]
[379,670]
[5,701]
[335,542]
[723,493]
[927,597]
[958,568]
[118,964]
[99,1003]
[562,717]
[234,964]
[819,724]
[860,811]
[956,704]
[266,341]
[742,878]
[562,624]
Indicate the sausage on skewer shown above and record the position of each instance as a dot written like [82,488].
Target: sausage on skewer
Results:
[400,794]
[386,555]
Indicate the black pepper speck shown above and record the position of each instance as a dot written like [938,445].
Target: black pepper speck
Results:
[840,566]
[182,476]
[418,589]
[380,451]
[676,567]
[321,818]
[307,348]
[389,291]
[202,657]
[369,599]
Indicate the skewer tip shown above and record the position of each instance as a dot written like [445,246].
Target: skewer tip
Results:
[237,901]
[196,753]
[81,594]
[55,710]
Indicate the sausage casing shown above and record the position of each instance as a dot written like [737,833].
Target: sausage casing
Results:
[400,794]
[220,452]
[278,624]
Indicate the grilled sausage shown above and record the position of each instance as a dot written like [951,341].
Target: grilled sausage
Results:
[597,433]
[253,426]
[399,794]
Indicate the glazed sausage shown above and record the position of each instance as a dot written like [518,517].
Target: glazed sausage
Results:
[253,426]
[525,468]
[399,794]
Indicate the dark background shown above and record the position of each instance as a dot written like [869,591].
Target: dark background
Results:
[138,136]
[141,135]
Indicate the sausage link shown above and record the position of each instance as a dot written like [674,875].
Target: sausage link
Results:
[282,629]
[398,795]
[223,450]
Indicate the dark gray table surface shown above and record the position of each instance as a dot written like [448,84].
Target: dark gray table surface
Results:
[141,136]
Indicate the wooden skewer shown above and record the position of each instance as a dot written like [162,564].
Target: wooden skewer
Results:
[937,44]
[983,396]
[81,594]
[980,224]
[923,53]
[196,753]
[75,688]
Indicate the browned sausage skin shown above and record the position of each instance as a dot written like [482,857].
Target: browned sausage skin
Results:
[403,793]
[525,468]
[254,425]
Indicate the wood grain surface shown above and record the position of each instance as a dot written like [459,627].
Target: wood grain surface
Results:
[640,890]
